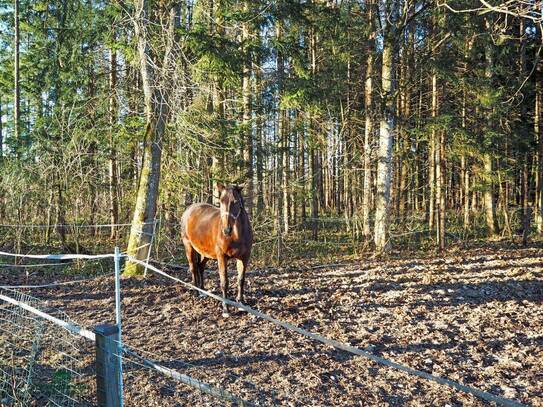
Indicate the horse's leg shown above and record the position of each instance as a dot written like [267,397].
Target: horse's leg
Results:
[242,268]
[221,260]
[202,267]
[192,257]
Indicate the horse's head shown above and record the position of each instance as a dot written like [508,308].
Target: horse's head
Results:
[231,205]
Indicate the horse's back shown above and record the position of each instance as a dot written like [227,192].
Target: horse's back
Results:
[199,225]
[200,213]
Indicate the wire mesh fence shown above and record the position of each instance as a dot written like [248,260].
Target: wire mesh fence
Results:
[42,364]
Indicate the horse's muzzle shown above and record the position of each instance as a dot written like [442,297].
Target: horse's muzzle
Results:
[227,230]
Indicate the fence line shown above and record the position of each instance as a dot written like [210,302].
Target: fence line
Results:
[66,325]
[338,345]
[68,225]
[60,256]
[5,265]
[56,284]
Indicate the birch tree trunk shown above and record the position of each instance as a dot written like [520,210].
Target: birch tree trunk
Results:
[155,85]
[386,137]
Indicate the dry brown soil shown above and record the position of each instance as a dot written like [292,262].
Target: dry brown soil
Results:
[472,315]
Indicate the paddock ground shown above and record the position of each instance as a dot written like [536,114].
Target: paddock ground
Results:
[473,315]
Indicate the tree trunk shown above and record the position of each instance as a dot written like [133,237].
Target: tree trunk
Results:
[247,114]
[464,159]
[440,188]
[217,106]
[259,147]
[488,194]
[432,149]
[113,197]
[286,171]
[1,133]
[17,90]
[301,172]
[386,138]
[156,114]
[313,152]
[538,137]
[368,128]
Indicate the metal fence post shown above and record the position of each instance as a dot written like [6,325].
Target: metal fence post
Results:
[118,321]
[108,374]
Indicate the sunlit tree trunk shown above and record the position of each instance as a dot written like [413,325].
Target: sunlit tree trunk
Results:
[368,128]
[438,139]
[488,194]
[464,159]
[16,85]
[285,171]
[247,113]
[2,202]
[386,137]
[432,160]
[539,137]
[113,200]
[1,133]
[313,152]
[301,171]
[217,106]
[440,188]
[259,145]
[156,115]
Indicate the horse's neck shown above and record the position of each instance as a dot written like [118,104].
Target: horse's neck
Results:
[242,219]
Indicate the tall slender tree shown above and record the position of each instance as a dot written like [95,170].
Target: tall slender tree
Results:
[386,129]
[154,68]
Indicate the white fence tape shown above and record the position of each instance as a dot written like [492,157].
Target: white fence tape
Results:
[55,284]
[59,256]
[68,225]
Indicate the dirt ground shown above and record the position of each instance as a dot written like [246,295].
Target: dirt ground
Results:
[472,315]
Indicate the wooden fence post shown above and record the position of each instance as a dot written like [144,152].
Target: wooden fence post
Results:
[108,373]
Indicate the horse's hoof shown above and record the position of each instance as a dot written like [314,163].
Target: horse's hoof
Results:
[225,314]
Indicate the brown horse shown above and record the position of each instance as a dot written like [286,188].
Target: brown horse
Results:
[221,233]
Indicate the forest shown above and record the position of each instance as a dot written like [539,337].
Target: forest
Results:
[382,159]
[377,122]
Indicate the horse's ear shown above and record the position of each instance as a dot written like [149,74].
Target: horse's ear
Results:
[220,186]
[239,188]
